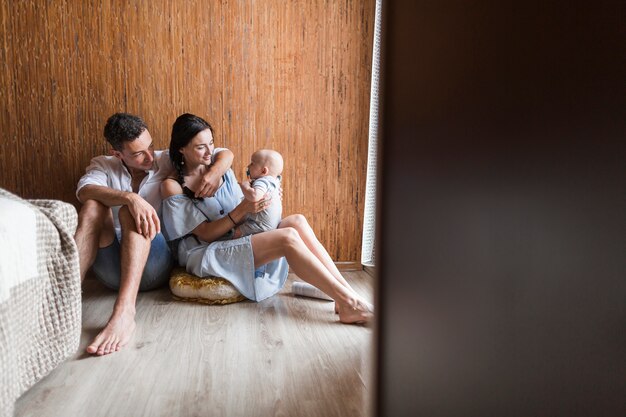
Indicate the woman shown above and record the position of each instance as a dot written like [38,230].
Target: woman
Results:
[201,231]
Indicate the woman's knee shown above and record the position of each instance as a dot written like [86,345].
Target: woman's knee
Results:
[289,237]
[297,221]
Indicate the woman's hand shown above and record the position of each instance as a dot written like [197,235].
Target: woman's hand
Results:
[247,206]
[262,204]
[208,184]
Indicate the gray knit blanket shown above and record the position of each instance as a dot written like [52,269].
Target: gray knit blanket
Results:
[40,296]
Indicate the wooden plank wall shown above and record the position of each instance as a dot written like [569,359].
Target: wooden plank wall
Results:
[290,75]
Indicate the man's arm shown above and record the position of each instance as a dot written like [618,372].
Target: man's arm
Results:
[105,195]
[146,218]
[211,180]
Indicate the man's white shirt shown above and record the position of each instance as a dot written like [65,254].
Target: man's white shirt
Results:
[110,171]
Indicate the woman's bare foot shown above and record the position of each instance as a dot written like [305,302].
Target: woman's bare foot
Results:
[368,305]
[356,312]
[115,335]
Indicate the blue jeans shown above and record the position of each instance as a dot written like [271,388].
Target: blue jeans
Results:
[107,266]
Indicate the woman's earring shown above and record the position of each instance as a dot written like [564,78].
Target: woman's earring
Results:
[182,162]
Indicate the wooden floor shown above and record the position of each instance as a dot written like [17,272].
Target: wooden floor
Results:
[285,356]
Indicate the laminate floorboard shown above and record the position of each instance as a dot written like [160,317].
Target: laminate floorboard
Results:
[284,356]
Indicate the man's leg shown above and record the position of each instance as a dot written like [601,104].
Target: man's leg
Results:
[95,229]
[134,253]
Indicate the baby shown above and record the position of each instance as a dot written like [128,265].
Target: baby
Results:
[264,178]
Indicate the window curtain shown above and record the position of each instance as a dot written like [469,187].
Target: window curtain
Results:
[368,250]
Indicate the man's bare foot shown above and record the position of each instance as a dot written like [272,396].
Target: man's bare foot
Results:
[115,335]
[358,312]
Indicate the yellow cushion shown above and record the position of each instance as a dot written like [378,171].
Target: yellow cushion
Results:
[208,290]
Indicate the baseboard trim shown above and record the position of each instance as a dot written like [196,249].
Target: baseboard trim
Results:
[345,266]
[371,270]
[349,266]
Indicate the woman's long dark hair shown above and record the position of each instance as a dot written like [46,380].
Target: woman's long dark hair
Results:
[184,129]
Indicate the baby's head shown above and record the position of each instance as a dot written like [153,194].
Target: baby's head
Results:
[265,162]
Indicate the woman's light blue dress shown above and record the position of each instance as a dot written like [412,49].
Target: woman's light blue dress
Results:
[231,259]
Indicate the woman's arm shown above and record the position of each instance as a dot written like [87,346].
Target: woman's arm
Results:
[211,231]
[170,187]
[210,182]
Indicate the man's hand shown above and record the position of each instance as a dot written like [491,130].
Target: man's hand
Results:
[208,184]
[146,218]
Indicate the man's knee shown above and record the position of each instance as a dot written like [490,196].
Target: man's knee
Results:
[95,219]
[127,222]
[124,213]
[93,210]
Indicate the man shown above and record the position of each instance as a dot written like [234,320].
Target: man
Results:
[119,231]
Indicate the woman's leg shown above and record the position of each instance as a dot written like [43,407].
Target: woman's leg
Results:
[299,222]
[287,242]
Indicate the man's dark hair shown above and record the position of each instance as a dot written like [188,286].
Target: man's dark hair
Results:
[123,127]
